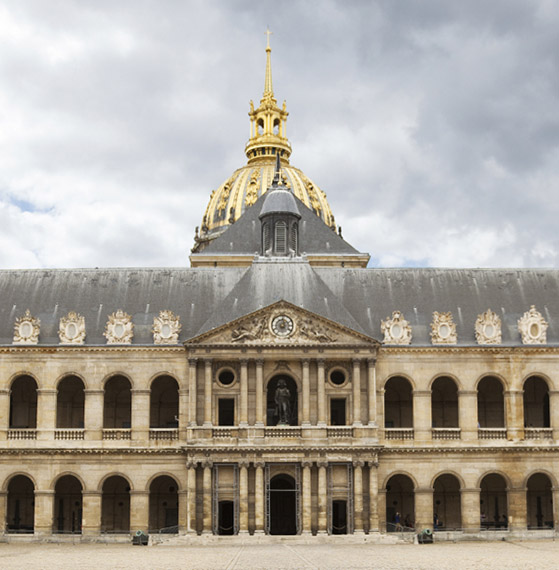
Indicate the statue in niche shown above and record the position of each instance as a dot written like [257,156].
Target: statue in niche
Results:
[282,399]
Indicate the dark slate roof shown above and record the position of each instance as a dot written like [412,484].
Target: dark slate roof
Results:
[243,237]
[279,200]
[371,295]
[208,297]
[96,293]
[268,282]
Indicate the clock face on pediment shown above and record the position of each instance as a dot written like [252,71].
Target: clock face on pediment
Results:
[282,324]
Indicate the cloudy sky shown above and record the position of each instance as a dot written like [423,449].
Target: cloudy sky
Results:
[432,126]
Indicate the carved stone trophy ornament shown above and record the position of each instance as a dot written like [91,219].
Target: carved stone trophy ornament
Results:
[166,328]
[72,329]
[533,327]
[119,329]
[396,330]
[443,329]
[488,328]
[26,329]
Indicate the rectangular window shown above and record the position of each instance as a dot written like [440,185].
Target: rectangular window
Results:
[226,412]
[337,412]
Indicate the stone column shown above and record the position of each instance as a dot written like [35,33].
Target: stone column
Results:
[422,415]
[467,415]
[306,392]
[321,392]
[243,416]
[555,495]
[139,510]
[91,517]
[554,413]
[208,393]
[517,508]
[183,413]
[373,497]
[372,390]
[514,414]
[192,399]
[469,505]
[191,523]
[382,510]
[93,414]
[322,497]
[381,418]
[423,508]
[307,497]
[4,414]
[259,393]
[207,497]
[358,496]
[44,503]
[3,510]
[140,415]
[259,497]
[46,414]
[183,510]
[356,383]
[243,497]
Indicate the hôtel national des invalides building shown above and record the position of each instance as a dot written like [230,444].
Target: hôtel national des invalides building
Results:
[278,386]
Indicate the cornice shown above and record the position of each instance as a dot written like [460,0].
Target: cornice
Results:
[470,349]
[51,348]
[479,450]
[90,451]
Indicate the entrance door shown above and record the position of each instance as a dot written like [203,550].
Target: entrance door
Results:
[226,517]
[339,517]
[282,505]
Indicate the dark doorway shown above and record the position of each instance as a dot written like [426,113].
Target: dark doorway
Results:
[283,507]
[21,505]
[226,517]
[163,504]
[272,407]
[337,412]
[226,412]
[339,517]
[68,505]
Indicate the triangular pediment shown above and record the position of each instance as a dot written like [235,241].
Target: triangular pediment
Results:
[282,324]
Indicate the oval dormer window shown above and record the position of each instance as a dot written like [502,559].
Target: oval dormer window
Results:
[25,329]
[396,330]
[71,330]
[444,331]
[489,330]
[166,330]
[119,330]
[535,330]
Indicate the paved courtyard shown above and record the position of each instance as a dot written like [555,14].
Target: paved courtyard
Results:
[472,555]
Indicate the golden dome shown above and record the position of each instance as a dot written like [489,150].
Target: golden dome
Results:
[267,139]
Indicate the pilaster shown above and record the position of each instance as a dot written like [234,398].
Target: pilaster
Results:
[140,415]
[467,415]
[372,391]
[44,503]
[356,385]
[139,510]
[423,508]
[517,508]
[470,507]
[358,496]
[208,380]
[321,392]
[192,378]
[46,414]
[93,414]
[91,518]
[422,415]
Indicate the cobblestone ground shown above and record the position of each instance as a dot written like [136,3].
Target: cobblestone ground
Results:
[472,555]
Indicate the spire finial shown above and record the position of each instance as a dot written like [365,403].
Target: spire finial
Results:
[268,89]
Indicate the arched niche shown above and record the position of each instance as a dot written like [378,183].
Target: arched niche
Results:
[282,401]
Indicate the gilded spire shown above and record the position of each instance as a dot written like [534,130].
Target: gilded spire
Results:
[268,89]
[267,123]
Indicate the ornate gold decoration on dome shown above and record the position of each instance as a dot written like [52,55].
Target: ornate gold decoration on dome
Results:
[224,196]
[252,191]
[313,197]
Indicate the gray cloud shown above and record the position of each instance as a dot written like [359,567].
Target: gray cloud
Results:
[431,125]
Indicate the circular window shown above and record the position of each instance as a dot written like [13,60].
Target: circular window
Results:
[226,377]
[338,377]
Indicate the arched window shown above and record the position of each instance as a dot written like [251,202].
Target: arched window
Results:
[70,403]
[23,403]
[490,403]
[536,403]
[293,241]
[398,403]
[266,245]
[444,403]
[164,403]
[117,411]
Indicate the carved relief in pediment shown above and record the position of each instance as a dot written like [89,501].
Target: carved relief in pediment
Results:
[119,328]
[533,327]
[396,330]
[282,326]
[72,329]
[166,328]
[26,329]
[443,329]
[488,328]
